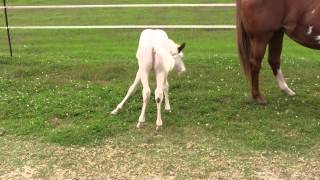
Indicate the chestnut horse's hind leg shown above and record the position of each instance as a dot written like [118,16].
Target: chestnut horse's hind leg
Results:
[275,48]
[257,53]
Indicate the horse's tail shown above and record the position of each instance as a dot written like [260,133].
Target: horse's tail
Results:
[243,42]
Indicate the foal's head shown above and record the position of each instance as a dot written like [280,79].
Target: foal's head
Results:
[178,58]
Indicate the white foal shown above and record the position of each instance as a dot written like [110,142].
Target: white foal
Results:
[156,51]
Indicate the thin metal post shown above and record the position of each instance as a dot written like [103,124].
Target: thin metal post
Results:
[7,25]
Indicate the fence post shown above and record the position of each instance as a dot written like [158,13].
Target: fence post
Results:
[7,25]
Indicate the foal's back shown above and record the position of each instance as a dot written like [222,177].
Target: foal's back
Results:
[149,37]
[147,41]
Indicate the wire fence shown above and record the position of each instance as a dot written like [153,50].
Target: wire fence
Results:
[225,5]
[213,5]
[222,27]
[133,26]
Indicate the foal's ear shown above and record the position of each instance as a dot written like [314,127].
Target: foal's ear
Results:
[181,47]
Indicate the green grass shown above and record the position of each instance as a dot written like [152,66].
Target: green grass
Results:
[61,85]
[115,16]
[62,90]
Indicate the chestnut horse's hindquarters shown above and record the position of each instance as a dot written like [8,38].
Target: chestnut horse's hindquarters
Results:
[262,23]
[251,51]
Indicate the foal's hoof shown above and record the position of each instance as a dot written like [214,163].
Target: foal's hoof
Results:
[158,128]
[139,125]
[114,112]
[168,110]
[260,100]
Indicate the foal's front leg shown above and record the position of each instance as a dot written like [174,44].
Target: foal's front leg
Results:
[161,79]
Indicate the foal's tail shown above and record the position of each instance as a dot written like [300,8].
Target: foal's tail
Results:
[243,42]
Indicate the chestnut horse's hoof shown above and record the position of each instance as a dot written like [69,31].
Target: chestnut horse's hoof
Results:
[260,100]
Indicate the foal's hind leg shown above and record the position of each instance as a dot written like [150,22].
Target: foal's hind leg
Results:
[146,92]
[161,80]
[275,48]
[257,53]
[131,91]
[166,97]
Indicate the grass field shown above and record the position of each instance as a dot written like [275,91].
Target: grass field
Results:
[60,86]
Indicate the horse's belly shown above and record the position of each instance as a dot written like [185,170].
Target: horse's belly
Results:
[306,33]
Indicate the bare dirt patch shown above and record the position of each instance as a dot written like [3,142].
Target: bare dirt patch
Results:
[156,158]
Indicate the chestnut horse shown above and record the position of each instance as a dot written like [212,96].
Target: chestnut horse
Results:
[262,23]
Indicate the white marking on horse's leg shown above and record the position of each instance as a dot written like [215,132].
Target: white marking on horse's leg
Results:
[166,97]
[318,39]
[131,91]
[310,30]
[282,84]
[161,78]
[145,94]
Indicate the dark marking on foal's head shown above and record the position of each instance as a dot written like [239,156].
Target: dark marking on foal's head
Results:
[181,47]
